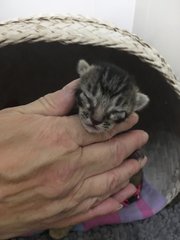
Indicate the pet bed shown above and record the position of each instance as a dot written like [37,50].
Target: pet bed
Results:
[40,55]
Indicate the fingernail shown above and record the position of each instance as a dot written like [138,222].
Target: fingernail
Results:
[119,207]
[143,161]
[145,136]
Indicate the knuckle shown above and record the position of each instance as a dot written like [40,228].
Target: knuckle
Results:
[91,202]
[47,103]
[120,151]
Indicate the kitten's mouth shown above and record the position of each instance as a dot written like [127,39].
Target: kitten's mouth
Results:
[92,128]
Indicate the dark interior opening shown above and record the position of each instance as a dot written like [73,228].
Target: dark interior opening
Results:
[30,70]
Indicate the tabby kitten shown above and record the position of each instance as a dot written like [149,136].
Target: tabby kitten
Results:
[106,95]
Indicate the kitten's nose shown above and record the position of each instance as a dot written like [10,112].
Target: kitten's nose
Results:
[95,122]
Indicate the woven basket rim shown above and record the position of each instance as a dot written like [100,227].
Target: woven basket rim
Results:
[82,30]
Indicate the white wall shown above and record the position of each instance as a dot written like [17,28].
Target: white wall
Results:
[158,23]
[118,12]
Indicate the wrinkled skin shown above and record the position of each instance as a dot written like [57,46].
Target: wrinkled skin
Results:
[53,173]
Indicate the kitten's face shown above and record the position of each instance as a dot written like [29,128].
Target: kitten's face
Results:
[106,96]
[99,113]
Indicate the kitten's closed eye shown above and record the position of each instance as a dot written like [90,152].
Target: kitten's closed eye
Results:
[117,116]
[83,100]
[87,102]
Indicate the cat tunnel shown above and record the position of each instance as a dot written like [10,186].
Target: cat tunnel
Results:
[40,55]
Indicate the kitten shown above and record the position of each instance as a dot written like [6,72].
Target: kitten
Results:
[106,95]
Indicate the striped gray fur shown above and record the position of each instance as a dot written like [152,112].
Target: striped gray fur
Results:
[106,95]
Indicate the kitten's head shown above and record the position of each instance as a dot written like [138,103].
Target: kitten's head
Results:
[106,95]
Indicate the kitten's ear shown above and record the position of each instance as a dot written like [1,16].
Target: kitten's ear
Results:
[141,101]
[82,67]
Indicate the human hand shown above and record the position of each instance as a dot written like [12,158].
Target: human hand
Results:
[53,173]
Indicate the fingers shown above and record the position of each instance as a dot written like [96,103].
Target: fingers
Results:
[83,138]
[88,212]
[58,103]
[100,157]
[108,183]
[124,193]
[96,190]
[113,203]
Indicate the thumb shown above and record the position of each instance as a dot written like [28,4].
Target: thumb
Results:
[58,103]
